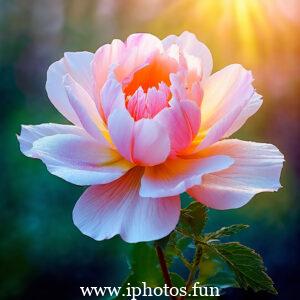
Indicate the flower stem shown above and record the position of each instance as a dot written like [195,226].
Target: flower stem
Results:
[196,261]
[164,268]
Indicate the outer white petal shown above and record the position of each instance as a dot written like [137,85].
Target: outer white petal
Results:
[104,211]
[78,65]
[31,133]
[250,109]
[256,169]
[227,103]
[86,110]
[71,154]
[176,176]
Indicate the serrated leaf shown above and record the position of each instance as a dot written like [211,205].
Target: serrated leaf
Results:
[247,265]
[192,219]
[214,271]
[226,231]
[222,280]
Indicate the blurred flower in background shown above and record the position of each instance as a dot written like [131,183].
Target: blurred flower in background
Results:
[41,253]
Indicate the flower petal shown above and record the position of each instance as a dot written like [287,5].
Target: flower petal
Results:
[79,159]
[248,110]
[189,44]
[182,121]
[256,169]
[112,96]
[139,48]
[176,176]
[220,128]
[85,109]
[105,57]
[77,64]
[123,57]
[104,211]
[223,91]
[144,142]
[151,144]
[30,133]
[120,126]
[227,94]
[146,42]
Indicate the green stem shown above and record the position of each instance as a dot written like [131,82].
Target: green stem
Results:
[195,265]
[185,261]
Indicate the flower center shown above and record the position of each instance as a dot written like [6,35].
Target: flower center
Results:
[147,89]
[148,104]
[157,69]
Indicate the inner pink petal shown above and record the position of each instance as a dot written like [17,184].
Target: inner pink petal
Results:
[148,104]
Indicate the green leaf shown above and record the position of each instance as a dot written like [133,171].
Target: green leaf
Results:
[247,266]
[143,267]
[214,271]
[192,220]
[144,264]
[222,280]
[226,231]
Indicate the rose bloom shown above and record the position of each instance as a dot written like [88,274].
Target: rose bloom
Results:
[148,123]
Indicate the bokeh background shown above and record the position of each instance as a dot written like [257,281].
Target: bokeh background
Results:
[42,254]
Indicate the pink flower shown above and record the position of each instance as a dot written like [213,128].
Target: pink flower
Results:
[149,122]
